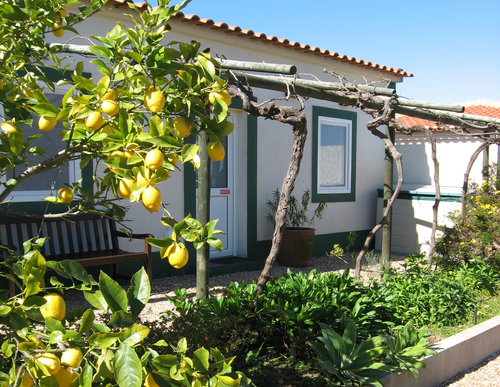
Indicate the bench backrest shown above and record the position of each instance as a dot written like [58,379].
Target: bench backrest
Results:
[73,237]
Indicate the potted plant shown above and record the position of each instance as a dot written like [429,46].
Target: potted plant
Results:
[298,235]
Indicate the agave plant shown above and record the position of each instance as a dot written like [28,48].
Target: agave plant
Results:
[348,364]
[405,348]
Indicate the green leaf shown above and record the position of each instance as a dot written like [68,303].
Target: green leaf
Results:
[128,368]
[85,379]
[87,321]
[349,336]
[54,325]
[46,109]
[76,270]
[226,380]
[121,319]
[215,243]
[96,299]
[155,126]
[200,360]
[208,230]
[103,340]
[100,51]
[132,336]
[113,293]
[161,243]
[139,292]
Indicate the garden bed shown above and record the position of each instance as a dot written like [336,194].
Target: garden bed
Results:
[453,355]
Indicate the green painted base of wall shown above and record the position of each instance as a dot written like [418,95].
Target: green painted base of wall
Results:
[323,244]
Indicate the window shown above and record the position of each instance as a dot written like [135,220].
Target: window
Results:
[334,155]
[40,186]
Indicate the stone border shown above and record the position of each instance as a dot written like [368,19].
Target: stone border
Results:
[454,354]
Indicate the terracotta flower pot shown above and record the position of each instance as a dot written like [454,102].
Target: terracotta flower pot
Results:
[296,247]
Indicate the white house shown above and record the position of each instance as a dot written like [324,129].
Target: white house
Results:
[258,151]
[412,215]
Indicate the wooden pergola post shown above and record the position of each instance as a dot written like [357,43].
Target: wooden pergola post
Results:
[203,253]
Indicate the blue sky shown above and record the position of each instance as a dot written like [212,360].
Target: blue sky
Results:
[451,47]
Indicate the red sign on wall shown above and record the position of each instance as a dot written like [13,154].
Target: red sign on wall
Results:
[224,192]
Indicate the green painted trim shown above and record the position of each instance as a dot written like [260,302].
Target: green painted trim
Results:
[431,196]
[342,114]
[254,248]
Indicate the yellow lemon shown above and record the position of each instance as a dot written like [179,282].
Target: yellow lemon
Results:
[94,121]
[57,30]
[51,362]
[154,100]
[46,123]
[216,151]
[71,357]
[8,127]
[223,95]
[125,187]
[110,95]
[63,13]
[149,381]
[183,126]
[66,195]
[154,159]
[109,107]
[177,256]
[151,198]
[65,377]
[54,307]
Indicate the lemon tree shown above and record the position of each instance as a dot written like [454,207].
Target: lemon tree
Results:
[137,121]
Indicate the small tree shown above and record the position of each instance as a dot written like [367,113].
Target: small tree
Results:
[136,120]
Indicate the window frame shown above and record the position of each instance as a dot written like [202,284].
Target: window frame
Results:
[348,120]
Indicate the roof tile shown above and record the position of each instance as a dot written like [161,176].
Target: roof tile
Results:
[236,30]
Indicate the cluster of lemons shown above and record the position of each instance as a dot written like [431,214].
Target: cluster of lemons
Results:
[62,365]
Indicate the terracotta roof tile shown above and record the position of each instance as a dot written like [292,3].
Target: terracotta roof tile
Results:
[236,30]
[483,107]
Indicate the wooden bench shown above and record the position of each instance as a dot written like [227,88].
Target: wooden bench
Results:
[89,239]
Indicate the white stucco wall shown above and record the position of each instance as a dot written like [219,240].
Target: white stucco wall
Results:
[453,153]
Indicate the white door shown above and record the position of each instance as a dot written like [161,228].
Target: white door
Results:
[222,198]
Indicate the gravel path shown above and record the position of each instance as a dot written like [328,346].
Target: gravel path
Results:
[486,373]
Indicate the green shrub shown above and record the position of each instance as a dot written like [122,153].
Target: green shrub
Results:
[425,298]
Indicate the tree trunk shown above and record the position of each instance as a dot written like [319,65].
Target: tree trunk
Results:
[299,140]
[296,118]
[388,176]
[435,207]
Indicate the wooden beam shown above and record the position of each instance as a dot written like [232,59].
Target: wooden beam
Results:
[257,66]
